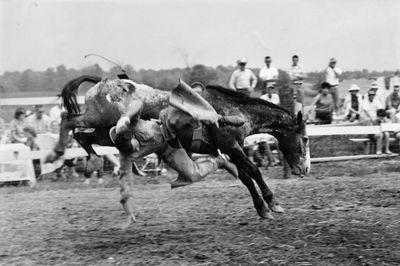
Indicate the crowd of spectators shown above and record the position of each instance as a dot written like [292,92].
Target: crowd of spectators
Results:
[378,105]
[27,125]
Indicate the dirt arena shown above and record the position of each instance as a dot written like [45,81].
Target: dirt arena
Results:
[345,213]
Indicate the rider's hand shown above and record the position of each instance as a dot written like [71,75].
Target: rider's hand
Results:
[122,124]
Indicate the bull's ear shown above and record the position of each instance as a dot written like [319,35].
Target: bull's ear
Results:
[299,118]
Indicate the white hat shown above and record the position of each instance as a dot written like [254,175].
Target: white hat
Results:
[354,87]
[242,61]
[374,85]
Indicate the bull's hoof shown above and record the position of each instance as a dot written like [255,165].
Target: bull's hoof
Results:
[177,183]
[51,157]
[265,213]
[277,208]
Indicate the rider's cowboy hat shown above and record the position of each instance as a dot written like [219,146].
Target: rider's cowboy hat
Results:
[242,61]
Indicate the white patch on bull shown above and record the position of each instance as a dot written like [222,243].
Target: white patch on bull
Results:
[108,97]
[93,91]
[85,130]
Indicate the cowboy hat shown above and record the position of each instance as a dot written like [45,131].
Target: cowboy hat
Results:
[354,87]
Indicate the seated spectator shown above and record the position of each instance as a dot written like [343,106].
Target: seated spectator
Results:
[39,121]
[353,104]
[393,104]
[270,95]
[17,126]
[55,112]
[324,105]
[30,134]
[382,139]
[3,134]
[370,107]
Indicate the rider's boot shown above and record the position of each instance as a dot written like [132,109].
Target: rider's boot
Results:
[223,162]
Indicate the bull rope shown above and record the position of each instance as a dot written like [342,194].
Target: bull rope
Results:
[108,60]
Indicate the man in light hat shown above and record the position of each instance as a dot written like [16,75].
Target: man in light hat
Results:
[243,79]
[269,94]
[371,105]
[353,103]
[268,74]
[332,74]
[393,104]
[394,80]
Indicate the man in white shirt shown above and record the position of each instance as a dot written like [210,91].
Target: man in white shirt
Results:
[370,107]
[55,112]
[297,75]
[39,121]
[332,74]
[394,80]
[243,79]
[268,74]
[270,95]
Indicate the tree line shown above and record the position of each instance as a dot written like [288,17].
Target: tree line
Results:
[53,79]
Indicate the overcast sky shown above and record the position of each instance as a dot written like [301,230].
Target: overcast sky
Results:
[157,34]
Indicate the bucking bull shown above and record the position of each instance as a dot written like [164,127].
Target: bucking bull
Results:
[123,113]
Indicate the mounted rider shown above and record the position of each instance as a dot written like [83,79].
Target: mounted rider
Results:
[137,137]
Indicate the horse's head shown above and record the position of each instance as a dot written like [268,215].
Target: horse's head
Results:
[295,147]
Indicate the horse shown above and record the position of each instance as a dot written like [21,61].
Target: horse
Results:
[102,113]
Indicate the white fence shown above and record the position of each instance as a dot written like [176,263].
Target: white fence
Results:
[19,158]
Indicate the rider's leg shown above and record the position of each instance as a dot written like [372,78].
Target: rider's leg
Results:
[188,170]
[126,187]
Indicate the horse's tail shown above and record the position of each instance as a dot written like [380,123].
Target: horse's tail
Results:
[70,89]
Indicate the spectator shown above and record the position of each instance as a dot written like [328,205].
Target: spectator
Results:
[324,105]
[270,95]
[353,103]
[298,107]
[297,75]
[395,80]
[3,136]
[393,104]
[243,79]
[17,126]
[30,134]
[381,137]
[39,121]
[332,74]
[370,107]
[55,112]
[268,74]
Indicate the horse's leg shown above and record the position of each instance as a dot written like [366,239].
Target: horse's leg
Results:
[265,190]
[246,169]
[95,162]
[255,173]
[68,122]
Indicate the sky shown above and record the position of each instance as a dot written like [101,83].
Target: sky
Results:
[160,34]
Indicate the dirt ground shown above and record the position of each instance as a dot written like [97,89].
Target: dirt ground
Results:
[344,213]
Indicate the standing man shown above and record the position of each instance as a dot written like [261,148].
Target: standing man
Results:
[332,74]
[394,80]
[268,74]
[39,121]
[243,79]
[297,75]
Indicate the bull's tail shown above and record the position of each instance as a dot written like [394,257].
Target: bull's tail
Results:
[70,90]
